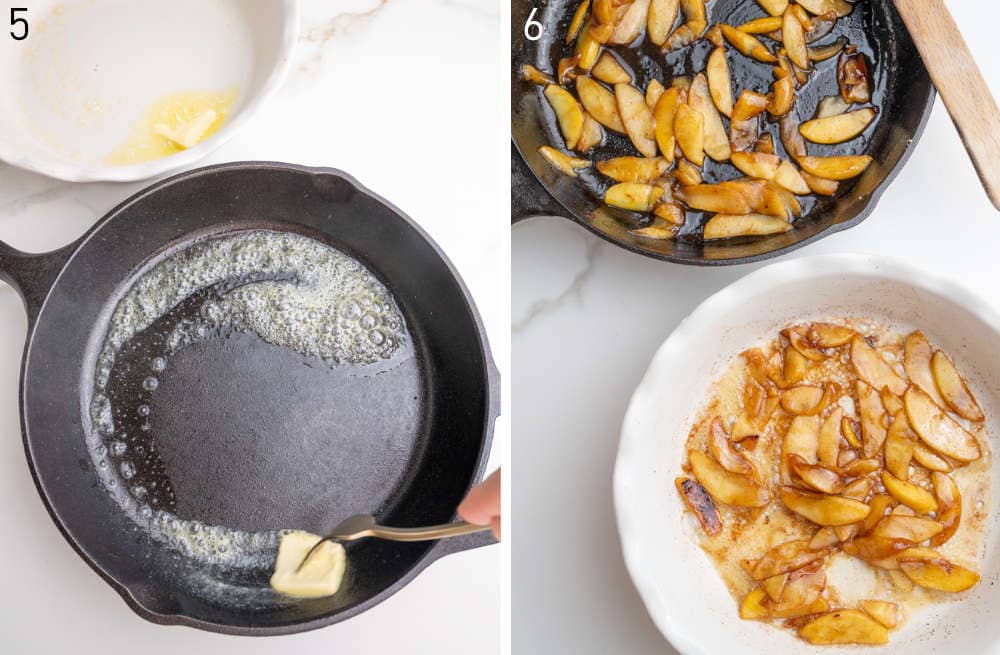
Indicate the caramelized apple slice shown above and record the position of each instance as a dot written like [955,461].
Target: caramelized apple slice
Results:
[744,123]
[754,606]
[878,551]
[873,415]
[716,140]
[883,611]
[917,354]
[608,69]
[802,439]
[633,169]
[638,119]
[568,113]
[874,370]
[911,528]
[937,429]
[600,103]
[789,177]
[763,25]
[795,366]
[773,7]
[532,74]
[828,444]
[831,106]
[794,37]
[719,82]
[700,504]
[852,76]
[756,164]
[845,627]
[725,226]
[659,228]
[954,389]
[829,51]
[819,185]
[592,135]
[726,487]
[909,494]
[563,162]
[802,400]
[816,476]
[689,130]
[801,591]
[949,506]
[784,558]
[579,16]
[929,459]
[838,129]
[825,537]
[829,335]
[899,445]
[937,573]
[660,20]
[822,509]
[836,167]
[713,198]
[685,35]
[850,431]
[723,452]
[665,113]
[748,44]
[879,504]
[631,24]
[687,174]
[654,90]
[840,8]
[782,94]
[633,196]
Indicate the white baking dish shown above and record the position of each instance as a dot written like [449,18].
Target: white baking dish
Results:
[680,587]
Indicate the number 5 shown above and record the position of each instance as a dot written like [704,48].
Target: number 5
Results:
[533,24]
[15,22]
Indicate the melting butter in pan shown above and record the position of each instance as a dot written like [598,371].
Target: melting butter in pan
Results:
[320,576]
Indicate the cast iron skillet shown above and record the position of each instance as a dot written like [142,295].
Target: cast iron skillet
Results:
[252,436]
[903,93]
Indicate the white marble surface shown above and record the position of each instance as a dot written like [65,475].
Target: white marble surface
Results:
[587,318]
[383,90]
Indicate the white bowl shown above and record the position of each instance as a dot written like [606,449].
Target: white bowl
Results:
[72,91]
[680,587]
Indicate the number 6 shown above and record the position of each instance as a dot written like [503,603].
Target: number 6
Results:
[533,24]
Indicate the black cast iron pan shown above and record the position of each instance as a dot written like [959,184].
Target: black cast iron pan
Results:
[903,93]
[249,435]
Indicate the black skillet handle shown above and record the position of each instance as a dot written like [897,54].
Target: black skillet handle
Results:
[528,197]
[31,275]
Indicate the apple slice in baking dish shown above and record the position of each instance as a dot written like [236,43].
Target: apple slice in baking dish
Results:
[874,370]
[823,509]
[954,389]
[938,430]
[724,486]
[917,354]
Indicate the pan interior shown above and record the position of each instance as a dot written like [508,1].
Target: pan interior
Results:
[250,382]
[900,91]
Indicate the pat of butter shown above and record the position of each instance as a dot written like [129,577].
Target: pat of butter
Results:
[321,575]
[190,134]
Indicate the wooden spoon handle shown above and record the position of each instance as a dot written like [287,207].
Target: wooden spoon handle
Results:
[960,83]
